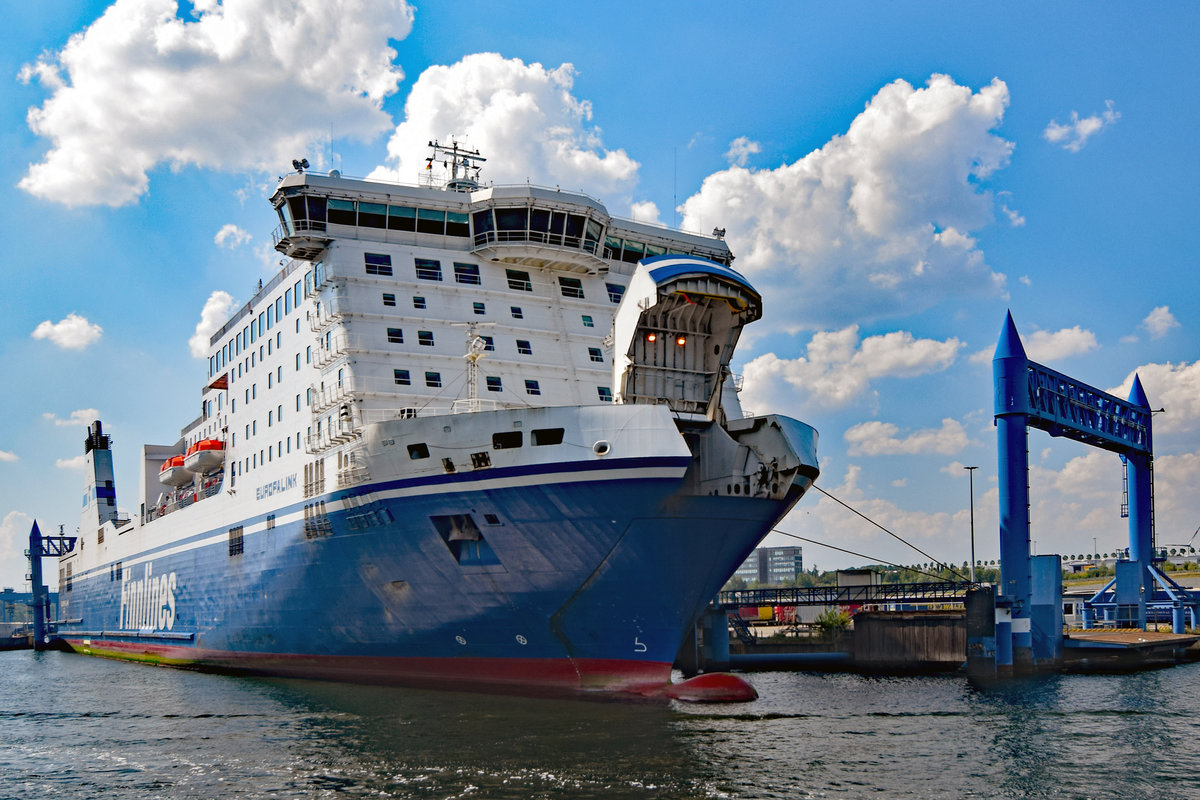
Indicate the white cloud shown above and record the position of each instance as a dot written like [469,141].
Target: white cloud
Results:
[231,236]
[1046,346]
[837,368]
[79,462]
[644,211]
[740,150]
[1175,387]
[1025,280]
[81,417]
[72,332]
[1074,135]
[876,438]
[14,540]
[1159,322]
[246,84]
[522,116]
[879,218]
[7,456]
[214,314]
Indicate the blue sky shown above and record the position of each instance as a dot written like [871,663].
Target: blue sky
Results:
[893,177]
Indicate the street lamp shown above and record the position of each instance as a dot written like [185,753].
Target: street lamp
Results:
[971,474]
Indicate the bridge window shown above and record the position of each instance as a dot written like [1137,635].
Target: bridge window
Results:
[431,221]
[401,218]
[372,215]
[341,212]
[457,224]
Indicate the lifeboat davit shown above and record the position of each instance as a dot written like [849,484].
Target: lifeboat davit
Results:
[205,456]
[174,473]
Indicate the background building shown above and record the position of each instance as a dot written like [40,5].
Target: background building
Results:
[772,565]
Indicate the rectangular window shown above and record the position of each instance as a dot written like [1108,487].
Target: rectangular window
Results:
[433,380]
[587,321]
[425,338]
[378,263]
[340,212]
[402,218]
[518,280]
[545,436]
[457,224]
[236,544]
[395,335]
[400,376]
[493,384]
[389,299]
[466,273]
[430,220]
[604,393]
[418,450]
[531,387]
[517,313]
[270,522]
[479,308]
[524,348]
[506,440]
[489,344]
[418,302]
[595,355]
[428,269]
[615,290]
[571,287]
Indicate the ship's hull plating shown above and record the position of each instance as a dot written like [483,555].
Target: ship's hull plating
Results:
[578,584]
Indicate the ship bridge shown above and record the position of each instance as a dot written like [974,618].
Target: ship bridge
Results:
[675,332]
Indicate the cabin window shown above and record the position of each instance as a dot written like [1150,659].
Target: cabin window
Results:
[425,338]
[571,287]
[428,269]
[524,348]
[418,302]
[506,440]
[532,387]
[517,313]
[489,344]
[389,299]
[395,335]
[433,380]
[615,292]
[377,263]
[479,308]
[545,436]
[595,355]
[400,376]
[494,384]
[236,544]
[466,273]
[604,393]
[518,280]
[587,321]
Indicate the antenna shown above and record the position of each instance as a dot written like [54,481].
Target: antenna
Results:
[464,164]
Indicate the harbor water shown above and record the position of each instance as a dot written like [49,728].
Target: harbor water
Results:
[79,727]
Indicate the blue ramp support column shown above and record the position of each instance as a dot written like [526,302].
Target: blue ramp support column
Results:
[1138,466]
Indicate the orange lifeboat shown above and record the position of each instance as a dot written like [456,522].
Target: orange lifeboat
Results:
[205,456]
[174,473]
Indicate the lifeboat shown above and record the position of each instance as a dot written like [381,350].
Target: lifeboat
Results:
[174,473]
[205,455]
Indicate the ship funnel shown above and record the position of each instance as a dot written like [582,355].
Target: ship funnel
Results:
[100,501]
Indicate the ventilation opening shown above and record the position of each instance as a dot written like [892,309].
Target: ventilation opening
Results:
[545,436]
[464,539]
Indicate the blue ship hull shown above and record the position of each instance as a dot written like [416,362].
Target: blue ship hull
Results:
[580,581]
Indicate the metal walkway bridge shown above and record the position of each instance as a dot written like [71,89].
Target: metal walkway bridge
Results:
[933,592]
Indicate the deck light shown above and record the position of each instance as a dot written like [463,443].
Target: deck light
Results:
[681,341]
[651,337]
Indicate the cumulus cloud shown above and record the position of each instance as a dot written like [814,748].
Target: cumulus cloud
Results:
[246,84]
[79,462]
[523,116]
[740,150]
[231,236]
[80,417]
[214,314]
[1175,387]
[838,367]
[1074,135]
[72,332]
[644,211]
[14,539]
[7,456]
[1047,346]
[877,219]
[1159,322]
[876,438]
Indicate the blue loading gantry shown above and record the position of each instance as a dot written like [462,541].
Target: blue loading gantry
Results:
[1028,609]
[43,547]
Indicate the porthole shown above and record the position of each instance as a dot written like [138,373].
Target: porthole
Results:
[601,448]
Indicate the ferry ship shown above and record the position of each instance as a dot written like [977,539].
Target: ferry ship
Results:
[469,436]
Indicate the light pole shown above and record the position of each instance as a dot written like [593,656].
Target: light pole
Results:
[971,474]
